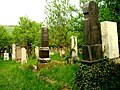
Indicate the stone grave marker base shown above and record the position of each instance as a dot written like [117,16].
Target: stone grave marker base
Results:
[44,60]
[92,52]
[41,65]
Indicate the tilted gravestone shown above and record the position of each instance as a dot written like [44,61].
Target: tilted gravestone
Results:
[109,39]
[44,49]
[92,48]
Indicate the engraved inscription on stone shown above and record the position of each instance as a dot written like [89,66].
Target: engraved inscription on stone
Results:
[109,39]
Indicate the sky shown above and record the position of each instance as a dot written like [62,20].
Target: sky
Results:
[11,10]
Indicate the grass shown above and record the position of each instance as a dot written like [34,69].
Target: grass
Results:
[13,77]
[63,74]
[56,56]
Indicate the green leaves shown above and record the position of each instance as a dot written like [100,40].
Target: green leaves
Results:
[103,75]
[109,11]
[5,38]
[62,24]
[27,32]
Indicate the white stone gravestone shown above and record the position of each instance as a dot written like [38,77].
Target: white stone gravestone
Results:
[74,45]
[109,39]
[13,51]
[37,52]
[6,56]
[23,55]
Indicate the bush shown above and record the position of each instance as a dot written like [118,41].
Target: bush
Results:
[103,75]
[56,56]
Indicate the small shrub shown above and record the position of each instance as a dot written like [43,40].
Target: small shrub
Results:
[103,75]
[56,56]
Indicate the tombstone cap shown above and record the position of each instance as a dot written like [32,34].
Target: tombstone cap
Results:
[44,27]
[89,6]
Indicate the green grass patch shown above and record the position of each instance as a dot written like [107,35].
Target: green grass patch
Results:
[61,73]
[14,78]
[56,56]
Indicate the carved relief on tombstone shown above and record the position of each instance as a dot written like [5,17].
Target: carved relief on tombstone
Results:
[92,49]
[44,49]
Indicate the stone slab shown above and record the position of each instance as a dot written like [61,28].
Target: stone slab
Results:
[109,39]
[23,56]
[6,56]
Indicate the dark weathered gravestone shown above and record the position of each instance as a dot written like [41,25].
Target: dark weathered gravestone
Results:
[44,49]
[92,48]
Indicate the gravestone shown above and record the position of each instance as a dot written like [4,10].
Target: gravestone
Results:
[74,53]
[6,56]
[37,52]
[92,48]
[13,51]
[23,55]
[74,44]
[109,39]
[44,49]
[18,53]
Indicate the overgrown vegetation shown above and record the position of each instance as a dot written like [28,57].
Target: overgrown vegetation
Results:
[5,39]
[103,75]
[62,22]
[16,76]
[61,74]
[56,56]
[27,34]
[62,25]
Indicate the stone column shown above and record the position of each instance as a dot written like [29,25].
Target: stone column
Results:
[37,52]
[13,51]
[74,44]
[44,48]
[92,48]
[23,55]
[109,39]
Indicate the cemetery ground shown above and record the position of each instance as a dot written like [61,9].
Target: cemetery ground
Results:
[57,75]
